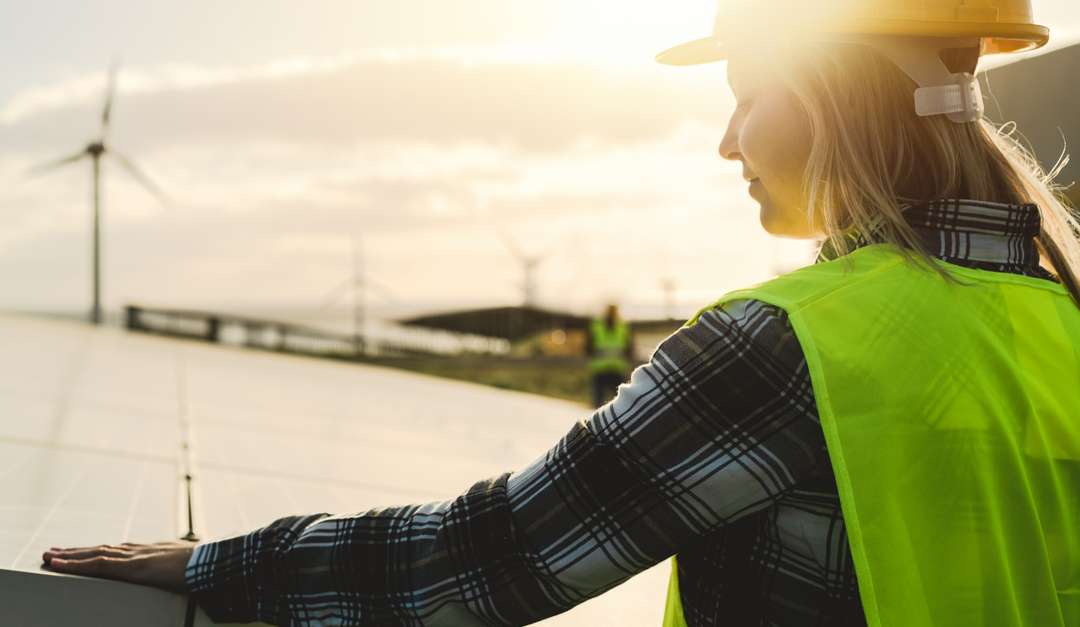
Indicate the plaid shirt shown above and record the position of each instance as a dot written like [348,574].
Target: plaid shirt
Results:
[713,451]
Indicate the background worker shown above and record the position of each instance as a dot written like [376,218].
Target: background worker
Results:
[887,436]
[610,348]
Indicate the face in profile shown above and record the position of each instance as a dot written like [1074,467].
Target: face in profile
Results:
[769,134]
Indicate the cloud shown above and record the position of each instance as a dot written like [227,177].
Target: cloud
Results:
[531,107]
[273,171]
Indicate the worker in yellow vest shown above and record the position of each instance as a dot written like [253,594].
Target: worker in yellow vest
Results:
[889,436]
[609,346]
[948,391]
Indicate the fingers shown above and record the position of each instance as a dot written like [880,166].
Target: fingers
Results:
[161,564]
[87,553]
[106,550]
[122,550]
[97,566]
[88,566]
[87,548]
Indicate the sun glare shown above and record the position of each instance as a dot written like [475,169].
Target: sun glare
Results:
[631,32]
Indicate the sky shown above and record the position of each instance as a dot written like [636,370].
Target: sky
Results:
[438,135]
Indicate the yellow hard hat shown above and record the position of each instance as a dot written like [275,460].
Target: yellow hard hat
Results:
[1002,25]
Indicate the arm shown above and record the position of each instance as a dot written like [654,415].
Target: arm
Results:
[239,579]
[705,433]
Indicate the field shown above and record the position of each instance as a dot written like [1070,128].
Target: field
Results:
[563,378]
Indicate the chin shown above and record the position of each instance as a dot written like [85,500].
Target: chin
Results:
[779,227]
[771,224]
[783,225]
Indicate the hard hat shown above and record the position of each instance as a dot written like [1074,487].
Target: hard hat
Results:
[910,32]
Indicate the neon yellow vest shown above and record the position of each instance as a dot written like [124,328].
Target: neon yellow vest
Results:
[952,419]
[609,346]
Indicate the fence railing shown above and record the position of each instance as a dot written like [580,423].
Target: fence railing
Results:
[270,334]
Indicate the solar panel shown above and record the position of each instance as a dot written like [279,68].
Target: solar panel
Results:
[91,429]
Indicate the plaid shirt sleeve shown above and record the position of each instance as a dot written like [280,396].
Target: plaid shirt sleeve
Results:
[701,436]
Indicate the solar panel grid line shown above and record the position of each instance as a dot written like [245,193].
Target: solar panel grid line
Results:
[184,451]
[47,519]
[133,506]
[36,443]
[69,376]
[266,436]
[194,503]
[181,509]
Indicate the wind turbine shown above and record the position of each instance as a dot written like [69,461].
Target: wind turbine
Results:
[529,263]
[360,285]
[670,287]
[95,151]
[668,283]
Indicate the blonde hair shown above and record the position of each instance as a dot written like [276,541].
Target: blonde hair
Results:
[871,155]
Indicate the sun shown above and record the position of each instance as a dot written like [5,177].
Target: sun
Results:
[625,32]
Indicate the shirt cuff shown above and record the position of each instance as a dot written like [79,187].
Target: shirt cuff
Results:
[240,579]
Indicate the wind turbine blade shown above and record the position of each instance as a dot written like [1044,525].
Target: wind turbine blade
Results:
[141,177]
[560,245]
[334,294]
[509,243]
[380,288]
[41,168]
[110,91]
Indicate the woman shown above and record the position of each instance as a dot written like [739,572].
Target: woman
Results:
[887,436]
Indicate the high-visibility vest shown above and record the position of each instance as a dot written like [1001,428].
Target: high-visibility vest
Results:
[609,346]
[951,414]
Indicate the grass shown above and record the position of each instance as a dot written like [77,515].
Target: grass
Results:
[564,378]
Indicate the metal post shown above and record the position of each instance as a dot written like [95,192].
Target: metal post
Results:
[358,293]
[95,311]
[213,328]
[133,323]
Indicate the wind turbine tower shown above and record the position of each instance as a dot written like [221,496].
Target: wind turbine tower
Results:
[96,150]
[358,285]
[669,285]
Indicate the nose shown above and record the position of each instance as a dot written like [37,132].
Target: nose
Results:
[729,145]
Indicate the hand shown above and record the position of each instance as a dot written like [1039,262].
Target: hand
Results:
[160,564]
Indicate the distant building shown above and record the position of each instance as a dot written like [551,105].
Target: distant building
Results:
[536,331]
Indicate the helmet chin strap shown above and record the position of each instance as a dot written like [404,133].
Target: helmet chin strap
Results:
[940,92]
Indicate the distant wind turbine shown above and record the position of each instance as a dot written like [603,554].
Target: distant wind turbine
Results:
[529,263]
[95,150]
[670,287]
[360,285]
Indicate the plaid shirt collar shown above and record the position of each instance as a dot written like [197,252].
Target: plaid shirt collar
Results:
[973,233]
